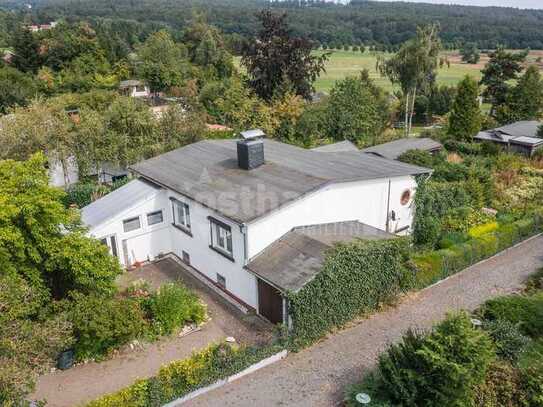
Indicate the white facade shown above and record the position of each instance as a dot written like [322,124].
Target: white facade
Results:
[365,201]
[60,176]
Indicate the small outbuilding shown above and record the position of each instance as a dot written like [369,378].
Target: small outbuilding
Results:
[134,88]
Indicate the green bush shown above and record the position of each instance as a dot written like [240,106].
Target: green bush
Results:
[535,281]
[440,368]
[172,306]
[509,340]
[502,387]
[181,377]
[101,324]
[524,310]
[363,274]
[433,266]
[532,381]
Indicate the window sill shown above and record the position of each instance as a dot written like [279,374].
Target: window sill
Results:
[182,229]
[226,255]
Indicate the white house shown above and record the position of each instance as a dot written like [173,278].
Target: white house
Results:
[134,88]
[253,217]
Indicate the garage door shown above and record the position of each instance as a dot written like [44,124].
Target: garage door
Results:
[270,302]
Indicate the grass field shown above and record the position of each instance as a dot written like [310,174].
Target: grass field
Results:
[349,63]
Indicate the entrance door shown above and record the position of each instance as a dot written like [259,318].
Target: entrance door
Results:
[270,302]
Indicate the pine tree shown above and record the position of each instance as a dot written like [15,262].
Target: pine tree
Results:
[26,56]
[526,100]
[465,119]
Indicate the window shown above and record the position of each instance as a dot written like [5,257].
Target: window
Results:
[221,237]
[111,243]
[154,217]
[186,258]
[221,281]
[181,214]
[131,224]
[406,197]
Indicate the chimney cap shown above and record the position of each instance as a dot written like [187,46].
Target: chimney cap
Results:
[252,134]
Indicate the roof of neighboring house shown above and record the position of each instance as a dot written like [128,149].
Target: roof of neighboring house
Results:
[522,128]
[396,148]
[296,258]
[117,201]
[523,132]
[208,172]
[129,83]
[344,145]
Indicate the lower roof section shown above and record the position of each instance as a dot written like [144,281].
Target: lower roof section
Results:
[295,259]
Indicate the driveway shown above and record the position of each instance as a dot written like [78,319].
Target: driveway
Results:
[86,382]
[318,376]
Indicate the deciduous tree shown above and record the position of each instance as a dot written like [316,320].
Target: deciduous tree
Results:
[278,62]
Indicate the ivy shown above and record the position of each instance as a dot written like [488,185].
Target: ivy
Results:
[356,278]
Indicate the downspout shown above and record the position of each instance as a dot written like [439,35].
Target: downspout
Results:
[243,230]
[388,207]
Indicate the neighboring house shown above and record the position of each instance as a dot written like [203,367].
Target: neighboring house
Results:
[345,145]
[64,176]
[253,217]
[396,148]
[520,137]
[134,88]
[41,27]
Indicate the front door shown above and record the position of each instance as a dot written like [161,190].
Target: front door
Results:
[270,302]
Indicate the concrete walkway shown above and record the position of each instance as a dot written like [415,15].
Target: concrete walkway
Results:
[86,382]
[318,376]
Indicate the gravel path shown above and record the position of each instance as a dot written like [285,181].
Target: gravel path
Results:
[86,382]
[318,376]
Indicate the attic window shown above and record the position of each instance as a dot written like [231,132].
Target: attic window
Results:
[406,197]
[131,224]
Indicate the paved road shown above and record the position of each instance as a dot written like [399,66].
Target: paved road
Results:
[317,376]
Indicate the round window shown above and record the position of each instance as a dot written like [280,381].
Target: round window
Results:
[406,196]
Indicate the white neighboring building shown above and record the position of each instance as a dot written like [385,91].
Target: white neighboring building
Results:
[135,89]
[253,227]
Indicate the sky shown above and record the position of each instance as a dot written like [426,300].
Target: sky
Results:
[503,3]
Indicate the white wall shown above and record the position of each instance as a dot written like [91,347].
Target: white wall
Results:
[365,201]
[145,243]
[57,175]
[239,282]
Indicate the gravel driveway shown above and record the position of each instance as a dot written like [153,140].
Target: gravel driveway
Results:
[318,376]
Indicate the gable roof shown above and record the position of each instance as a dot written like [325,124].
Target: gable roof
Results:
[519,129]
[396,148]
[116,201]
[523,133]
[296,258]
[344,145]
[208,173]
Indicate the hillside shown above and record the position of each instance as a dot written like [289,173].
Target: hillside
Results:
[384,23]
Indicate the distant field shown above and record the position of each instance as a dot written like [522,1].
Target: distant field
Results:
[348,63]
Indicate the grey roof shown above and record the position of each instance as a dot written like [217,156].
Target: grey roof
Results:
[208,172]
[522,128]
[129,83]
[523,132]
[116,202]
[396,148]
[345,145]
[297,257]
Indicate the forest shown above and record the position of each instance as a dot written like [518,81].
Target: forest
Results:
[383,24]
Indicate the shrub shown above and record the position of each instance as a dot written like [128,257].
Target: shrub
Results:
[101,324]
[524,310]
[510,342]
[441,368]
[532,382]
[501,388]
[181,377]
[535,281]
[363,274]
[483,229]
[172,306]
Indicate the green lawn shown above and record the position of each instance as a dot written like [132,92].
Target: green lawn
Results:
[349,63]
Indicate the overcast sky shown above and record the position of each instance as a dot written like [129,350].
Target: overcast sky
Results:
[504,3]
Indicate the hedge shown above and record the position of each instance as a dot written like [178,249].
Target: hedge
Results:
[179,378]
[356,277]
[433,266]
